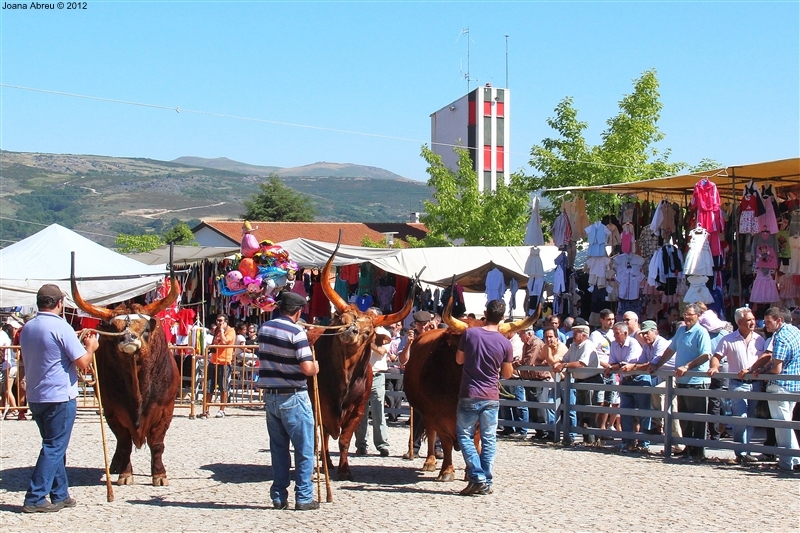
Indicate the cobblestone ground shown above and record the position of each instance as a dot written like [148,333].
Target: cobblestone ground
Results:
[220,476]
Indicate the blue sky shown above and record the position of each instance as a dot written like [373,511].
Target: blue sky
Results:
[728,71]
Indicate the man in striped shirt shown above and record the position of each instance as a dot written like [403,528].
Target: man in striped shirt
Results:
[285,362]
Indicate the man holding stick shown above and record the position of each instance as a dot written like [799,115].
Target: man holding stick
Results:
[285,361]
[52,352]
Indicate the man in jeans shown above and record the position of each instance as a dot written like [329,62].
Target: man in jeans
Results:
[52,352]
[284,362]
[781,356]
[692,348]
[483,352]
[741,349]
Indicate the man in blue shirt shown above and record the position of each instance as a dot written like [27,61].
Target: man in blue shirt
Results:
[692,348]
[554,322]
[285,361]
[51,352]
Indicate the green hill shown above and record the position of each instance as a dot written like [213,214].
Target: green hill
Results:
[108,195]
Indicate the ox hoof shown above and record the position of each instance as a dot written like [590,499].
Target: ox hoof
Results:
[160,481]
[446,477]
[125,480]
[344,476]
[429,467]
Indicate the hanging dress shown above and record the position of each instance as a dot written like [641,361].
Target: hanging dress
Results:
[698,291]
[765,289]
[597,234]
[533,234]
[768,220]
[794,262]
[698,261]
[533,266]
[748,219]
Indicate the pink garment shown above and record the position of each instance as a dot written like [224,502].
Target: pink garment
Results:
[626,242]
[748,219]
[768,220]
[706,201]
[765,289]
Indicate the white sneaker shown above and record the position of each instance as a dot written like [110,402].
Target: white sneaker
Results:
[220,414]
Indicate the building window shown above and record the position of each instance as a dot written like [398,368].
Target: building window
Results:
[500,162]
[487,158]
[487,108]
[500,109]
[472,113]
[500,127]
[487,181]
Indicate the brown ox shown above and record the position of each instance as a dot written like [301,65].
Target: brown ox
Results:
[432,380]
[345,376]
[138,380]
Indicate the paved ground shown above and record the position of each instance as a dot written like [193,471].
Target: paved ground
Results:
[220,475]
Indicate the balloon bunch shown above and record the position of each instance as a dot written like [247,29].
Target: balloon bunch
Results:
[258,273]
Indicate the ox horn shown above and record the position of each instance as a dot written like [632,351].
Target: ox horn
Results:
[512,327]
[455,324]
[338,302]
[153,308]
[383,320]
[97,312]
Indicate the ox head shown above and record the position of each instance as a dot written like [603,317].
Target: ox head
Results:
[358,327]
[135,324]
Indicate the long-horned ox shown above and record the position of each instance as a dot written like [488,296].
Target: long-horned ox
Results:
[138,377]
[345,376]
[432,379]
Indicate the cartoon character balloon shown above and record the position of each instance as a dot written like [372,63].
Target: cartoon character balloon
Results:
[250,244]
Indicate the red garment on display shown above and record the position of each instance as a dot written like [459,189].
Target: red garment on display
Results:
[400,291]
[349,273]
[706,201]
[185,319]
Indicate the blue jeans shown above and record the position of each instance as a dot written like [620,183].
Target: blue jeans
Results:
[629,400]
[781,409]
[380,431]
[743,408]
[290,419]
[471,412]
[55,421]
[547,395]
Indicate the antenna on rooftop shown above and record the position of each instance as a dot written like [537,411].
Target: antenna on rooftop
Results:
[506,61]
[465,31]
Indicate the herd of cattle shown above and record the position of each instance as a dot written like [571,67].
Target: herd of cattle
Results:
[140,378]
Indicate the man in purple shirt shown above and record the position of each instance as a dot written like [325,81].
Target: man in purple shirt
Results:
[51,352]
[484,352]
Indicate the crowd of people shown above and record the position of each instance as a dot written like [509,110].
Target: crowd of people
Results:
[693,350]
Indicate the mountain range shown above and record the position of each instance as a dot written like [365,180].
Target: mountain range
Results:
[108,195]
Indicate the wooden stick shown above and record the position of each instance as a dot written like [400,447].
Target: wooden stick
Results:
[109,488]
[322,437]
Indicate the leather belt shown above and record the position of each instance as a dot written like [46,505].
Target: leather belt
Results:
[284,390]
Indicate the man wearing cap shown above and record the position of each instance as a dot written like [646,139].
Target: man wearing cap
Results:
[485,353]
[741,349]
[285,362]
[653,348]
[52,354]
[626,356]
[584,367]
[379,361]
[691,344]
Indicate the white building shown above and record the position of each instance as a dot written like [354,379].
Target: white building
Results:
[480,122]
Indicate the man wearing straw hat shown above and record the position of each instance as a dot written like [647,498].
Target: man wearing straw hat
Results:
[52,352]
[285,360]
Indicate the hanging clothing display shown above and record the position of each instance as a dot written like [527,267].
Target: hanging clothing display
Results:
[562,231]
[578,219]
[495,285]
[794,261]
[768,220]
[533,233]
[765,288]
[597,234]
[698,260]
[627,239]
[596,267]
[533,266]
[698,291]
[748,213]
[763,250]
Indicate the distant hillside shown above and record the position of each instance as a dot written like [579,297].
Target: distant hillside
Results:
[322,169]
[109,195]
[223,163]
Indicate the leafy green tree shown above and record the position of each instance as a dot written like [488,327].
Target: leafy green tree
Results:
[131,244]
[368,242]
[461,212]
[179,234]
[627,151]
[278,203]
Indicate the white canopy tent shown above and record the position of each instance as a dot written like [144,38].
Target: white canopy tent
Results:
[104,276]
[441,264]
[182,254]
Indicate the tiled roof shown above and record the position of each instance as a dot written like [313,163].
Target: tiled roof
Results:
[352,234]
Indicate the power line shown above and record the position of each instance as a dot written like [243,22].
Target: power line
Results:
[179,110]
